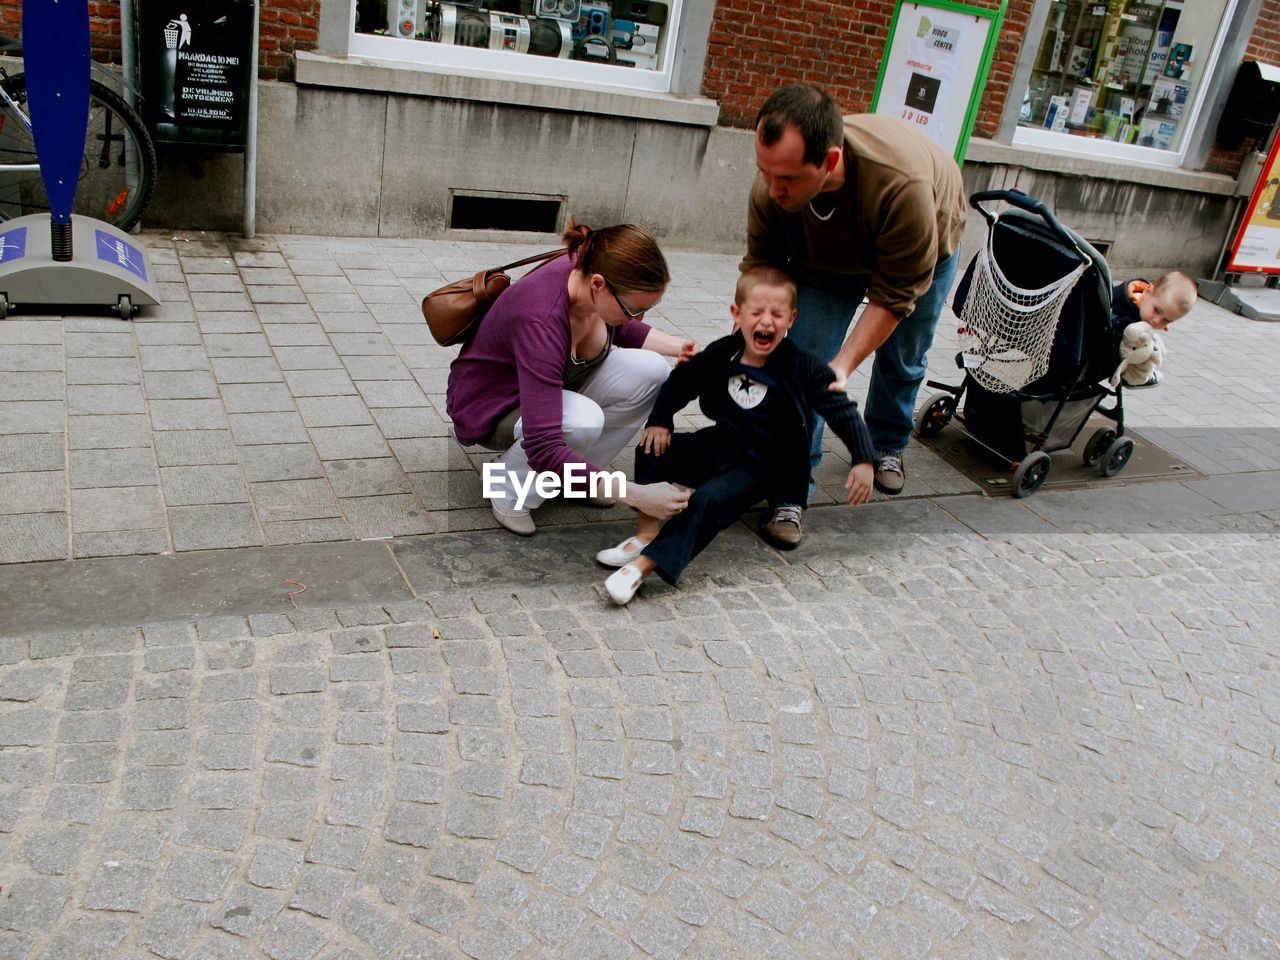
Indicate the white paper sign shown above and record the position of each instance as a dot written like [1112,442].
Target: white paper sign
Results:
[931,68]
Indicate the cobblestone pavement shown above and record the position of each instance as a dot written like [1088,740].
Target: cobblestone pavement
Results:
[286,391]
[908,740]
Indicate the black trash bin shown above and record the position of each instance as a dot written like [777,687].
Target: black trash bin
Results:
[195,59]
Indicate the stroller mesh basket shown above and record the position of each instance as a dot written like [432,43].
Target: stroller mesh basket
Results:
[1006,330]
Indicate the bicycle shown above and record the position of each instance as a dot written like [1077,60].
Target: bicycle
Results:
[118,172]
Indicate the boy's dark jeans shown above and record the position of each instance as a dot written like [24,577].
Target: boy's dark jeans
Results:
[727,485]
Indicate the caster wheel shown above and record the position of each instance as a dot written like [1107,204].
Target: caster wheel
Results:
[935,414]
[124,306]
[1097,445]
[1115,457]
[1031,474]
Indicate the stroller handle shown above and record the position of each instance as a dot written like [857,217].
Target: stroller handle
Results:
[1087,251]
[1026,202]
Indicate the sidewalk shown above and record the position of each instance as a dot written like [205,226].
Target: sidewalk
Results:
[948,726]
[287,391]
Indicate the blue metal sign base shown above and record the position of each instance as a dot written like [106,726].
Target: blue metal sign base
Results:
[109,268]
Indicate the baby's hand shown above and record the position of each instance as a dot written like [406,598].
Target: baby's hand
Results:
[859,483]
[656,440]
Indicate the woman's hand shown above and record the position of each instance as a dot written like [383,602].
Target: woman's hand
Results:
[656,440]
[660,500]
[682,348]
[859,483]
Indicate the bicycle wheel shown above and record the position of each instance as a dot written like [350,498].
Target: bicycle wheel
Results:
[117,173]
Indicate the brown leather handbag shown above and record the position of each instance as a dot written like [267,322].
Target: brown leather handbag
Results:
[453,313]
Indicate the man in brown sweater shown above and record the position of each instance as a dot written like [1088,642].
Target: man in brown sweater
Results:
[864,206]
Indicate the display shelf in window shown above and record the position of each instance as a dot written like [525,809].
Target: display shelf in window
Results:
[620,33]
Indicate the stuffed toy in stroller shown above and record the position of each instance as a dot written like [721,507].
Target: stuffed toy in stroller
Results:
[1142,350]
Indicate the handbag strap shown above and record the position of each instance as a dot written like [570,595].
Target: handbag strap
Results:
[545,257]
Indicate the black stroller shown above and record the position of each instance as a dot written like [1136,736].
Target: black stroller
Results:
[1038,346]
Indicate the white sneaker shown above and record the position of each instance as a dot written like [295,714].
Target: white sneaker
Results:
[623,584]
[518,522]
[622,554]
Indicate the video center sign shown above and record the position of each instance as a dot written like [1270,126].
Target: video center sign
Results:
[195,70]
[935,66]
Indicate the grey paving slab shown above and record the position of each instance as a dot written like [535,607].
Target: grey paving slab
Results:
[213,526]
[22,453]
[25,538]
[126,593]
[1242,493]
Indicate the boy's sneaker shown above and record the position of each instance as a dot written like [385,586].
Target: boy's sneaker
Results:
[623,584]
[622,554]
[891,475]
[1151,381]
[783,529]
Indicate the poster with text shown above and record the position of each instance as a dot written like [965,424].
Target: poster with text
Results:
[195,60]
[1257,244]
[930,68]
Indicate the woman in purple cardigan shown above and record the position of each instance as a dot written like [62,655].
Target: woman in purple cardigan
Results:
[563,372]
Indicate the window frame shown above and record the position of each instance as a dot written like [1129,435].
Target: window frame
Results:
[524,66]
[1050,141]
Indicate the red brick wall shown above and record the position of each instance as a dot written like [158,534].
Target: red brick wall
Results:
[284,26]
[757,46]
[838,47]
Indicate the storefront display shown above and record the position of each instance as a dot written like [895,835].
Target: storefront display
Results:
[624,33]
[1123,71]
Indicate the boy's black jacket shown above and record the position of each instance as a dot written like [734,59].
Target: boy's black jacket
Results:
[806,382]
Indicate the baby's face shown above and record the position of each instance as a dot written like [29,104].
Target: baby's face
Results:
[1157,310]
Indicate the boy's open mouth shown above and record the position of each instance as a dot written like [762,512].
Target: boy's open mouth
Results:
[762,339]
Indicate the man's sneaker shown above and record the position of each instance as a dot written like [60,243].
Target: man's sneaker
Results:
[623,584]
[783,528]
[891,475]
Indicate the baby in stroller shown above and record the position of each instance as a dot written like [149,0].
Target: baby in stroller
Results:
[1142,308]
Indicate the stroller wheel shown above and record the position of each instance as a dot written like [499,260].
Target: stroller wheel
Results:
[1097,445]
[1116,456]
[935,414]
[1031,474]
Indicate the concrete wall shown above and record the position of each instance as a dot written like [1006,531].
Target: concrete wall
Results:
[355,163]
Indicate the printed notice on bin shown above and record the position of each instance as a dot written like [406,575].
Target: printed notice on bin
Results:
[196,63]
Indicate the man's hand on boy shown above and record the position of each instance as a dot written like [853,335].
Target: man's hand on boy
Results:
[688,350]
[656,440]
[859,483]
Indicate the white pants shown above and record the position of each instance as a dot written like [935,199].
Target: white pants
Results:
[599,420]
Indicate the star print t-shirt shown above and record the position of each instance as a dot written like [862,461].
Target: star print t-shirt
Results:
[757,408]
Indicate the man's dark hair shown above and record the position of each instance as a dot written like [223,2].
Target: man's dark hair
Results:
[810,111]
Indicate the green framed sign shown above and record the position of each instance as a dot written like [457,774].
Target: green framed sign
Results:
[935,66]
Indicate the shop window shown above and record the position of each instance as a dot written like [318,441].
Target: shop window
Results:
[624,43]
[1121,72]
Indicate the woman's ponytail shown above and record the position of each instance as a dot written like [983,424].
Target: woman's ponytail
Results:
[576,236]
[625,255]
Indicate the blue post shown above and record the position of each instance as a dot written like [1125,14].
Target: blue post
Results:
[55,49]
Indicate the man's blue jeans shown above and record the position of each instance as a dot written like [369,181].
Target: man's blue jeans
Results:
[900,363]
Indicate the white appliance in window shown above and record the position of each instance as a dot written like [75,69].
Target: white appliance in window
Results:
[568,10]
[408,15]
